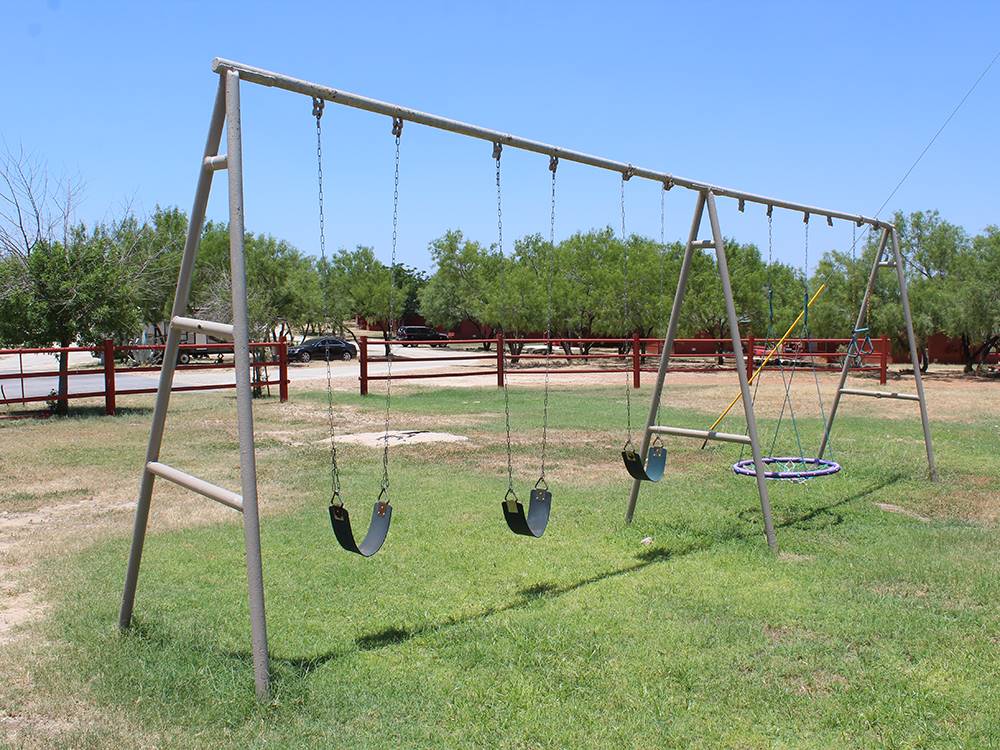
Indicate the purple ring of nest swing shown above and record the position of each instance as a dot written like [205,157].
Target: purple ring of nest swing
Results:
[821,467]
[537,518]
[378,528]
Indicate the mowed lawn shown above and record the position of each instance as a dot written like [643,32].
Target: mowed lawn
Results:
[876,627]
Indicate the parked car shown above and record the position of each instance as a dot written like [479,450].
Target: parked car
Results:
[420,333]
[321,348]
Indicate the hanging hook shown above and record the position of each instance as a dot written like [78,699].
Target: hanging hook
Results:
[805,217]
[741,205]
[497,149]
[770,210]
[553,163]
[318,105]
[829,221]
[397,126]
[628,174]
[668,183]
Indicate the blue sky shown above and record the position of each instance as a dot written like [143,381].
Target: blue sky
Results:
[825,104]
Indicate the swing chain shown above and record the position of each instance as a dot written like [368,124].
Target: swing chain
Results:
[549,273]
[626,175]
[335,498]
[511,497]
[397,132]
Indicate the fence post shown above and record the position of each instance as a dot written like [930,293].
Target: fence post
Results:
[363,361]
[883,360]
[636,361]
[500,360]
[283,370]
[109,377]
[749,362]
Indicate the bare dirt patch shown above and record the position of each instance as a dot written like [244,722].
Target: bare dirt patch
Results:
[890,508]
[793,557]
[397,437]
[819,684]
[978,504]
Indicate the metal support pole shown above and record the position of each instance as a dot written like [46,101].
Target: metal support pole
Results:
[668,345]
[904,300]
[862,312]
[195,225]
[263,77]
[734,333]
[244,394]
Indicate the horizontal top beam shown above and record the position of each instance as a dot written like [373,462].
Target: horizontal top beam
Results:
[346,98]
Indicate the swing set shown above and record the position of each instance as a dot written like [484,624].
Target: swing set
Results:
[645,459]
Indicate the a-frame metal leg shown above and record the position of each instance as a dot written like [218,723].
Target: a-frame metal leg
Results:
[244,394]
[889,234]
[707,199]
[226,111]
[734,333]
[904,300]
[195,225]
[862,312]
[675,313]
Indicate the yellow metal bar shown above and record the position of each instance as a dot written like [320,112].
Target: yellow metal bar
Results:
[767,359]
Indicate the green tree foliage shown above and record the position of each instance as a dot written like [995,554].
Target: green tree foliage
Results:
[457,290]
[79,291]
[976,298]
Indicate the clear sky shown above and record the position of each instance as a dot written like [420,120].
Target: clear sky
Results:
[825,104]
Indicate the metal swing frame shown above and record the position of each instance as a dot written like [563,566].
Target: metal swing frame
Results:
[226,116]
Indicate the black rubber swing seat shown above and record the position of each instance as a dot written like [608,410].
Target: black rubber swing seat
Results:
[650,471]
[537,518]
[378,529]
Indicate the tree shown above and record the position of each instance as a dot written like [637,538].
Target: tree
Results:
[585,294]
[367,286]
[933,249]
[457,290]
[516,293]
[80,289]
[975,295]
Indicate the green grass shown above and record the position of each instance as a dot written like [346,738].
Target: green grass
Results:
[878,630]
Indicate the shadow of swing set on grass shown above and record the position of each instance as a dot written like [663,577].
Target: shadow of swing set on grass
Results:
[644,463]
[814,519]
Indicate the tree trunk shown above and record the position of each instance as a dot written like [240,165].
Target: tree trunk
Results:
[62,403]
[984,352]
[967,354]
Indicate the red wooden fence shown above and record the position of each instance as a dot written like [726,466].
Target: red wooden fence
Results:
[108,351]
[634,360]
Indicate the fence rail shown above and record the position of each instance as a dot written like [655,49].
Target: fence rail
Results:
[636,355]
[109,352]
